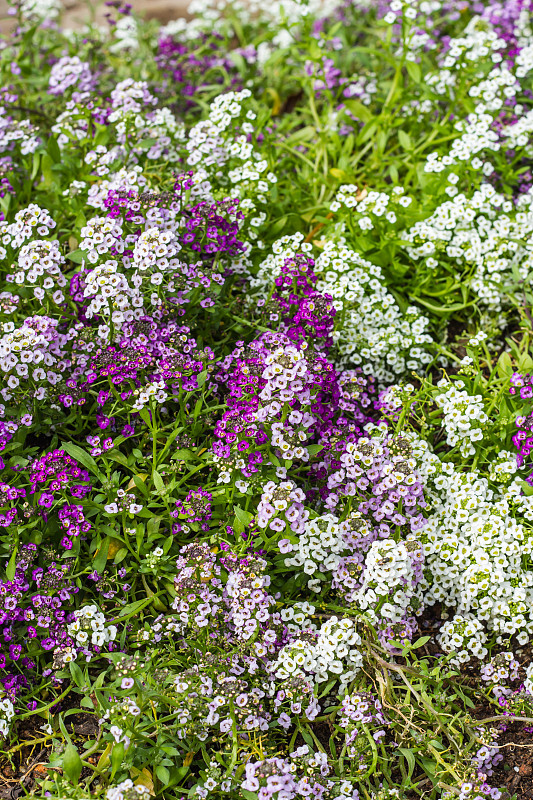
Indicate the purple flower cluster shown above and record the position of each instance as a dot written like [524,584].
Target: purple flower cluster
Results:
[34,606]
[195,509]
[361,712]
[522,384]
[303,774]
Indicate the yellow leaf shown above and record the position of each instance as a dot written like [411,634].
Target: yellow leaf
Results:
[104,758]
[114,547]
[143,778]
[187,761]
[276,108]
[141,475]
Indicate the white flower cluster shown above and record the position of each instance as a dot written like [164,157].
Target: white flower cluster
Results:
[464,637]
[319,548]
[491,91]
[373,330]
[476,552]
[378,204]
[212,143]
[21,131]
[362,87]
[125,34]
[99,236]
[40,263]
[25,356]
[289,12]
[388,574]
[7,712]
[399,8]
[127,790]
[168,133]
[503,467]
[464,417]
[102,158]
[370,329]
[20,346]
[484,234]
[27,221]
[518,135]
[40,9]
[476,136]
[155,391]
[331,650]
[292,445]
[524,59]
[71,126]
[89,628]
[111,296]
[477,42]
[154,248]
[528,683]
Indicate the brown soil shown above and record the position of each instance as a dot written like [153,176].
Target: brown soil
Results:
[79,11]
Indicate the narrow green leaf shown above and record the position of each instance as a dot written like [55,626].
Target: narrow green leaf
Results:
[82,457]
[71,762]
[10,570]
[414,71]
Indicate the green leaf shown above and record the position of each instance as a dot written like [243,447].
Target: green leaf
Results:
[77,256]
[120,556]
[414,71]
[46,169]
[198,407]
[35,165]
[525,363]
[140,484]
[278,226]
[116,455]
[526,488]
[71,763]
[184,455]
[201,379]
[243,516]
[10,570]
[133,607]
[505,365]
[53,150]
[405,140]
[117,757]
[145,416]
[410,758]
[163,774]
[77,675]
[153,525]
[339,174]
[100,558]
[158,481]
[420,642]
[358,110]
[83,458]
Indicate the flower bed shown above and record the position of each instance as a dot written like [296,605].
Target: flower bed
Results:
[266,419]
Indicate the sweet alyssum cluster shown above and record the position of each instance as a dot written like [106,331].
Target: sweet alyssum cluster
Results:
[234,493]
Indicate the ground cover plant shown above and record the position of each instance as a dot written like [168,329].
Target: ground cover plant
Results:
[266,413]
